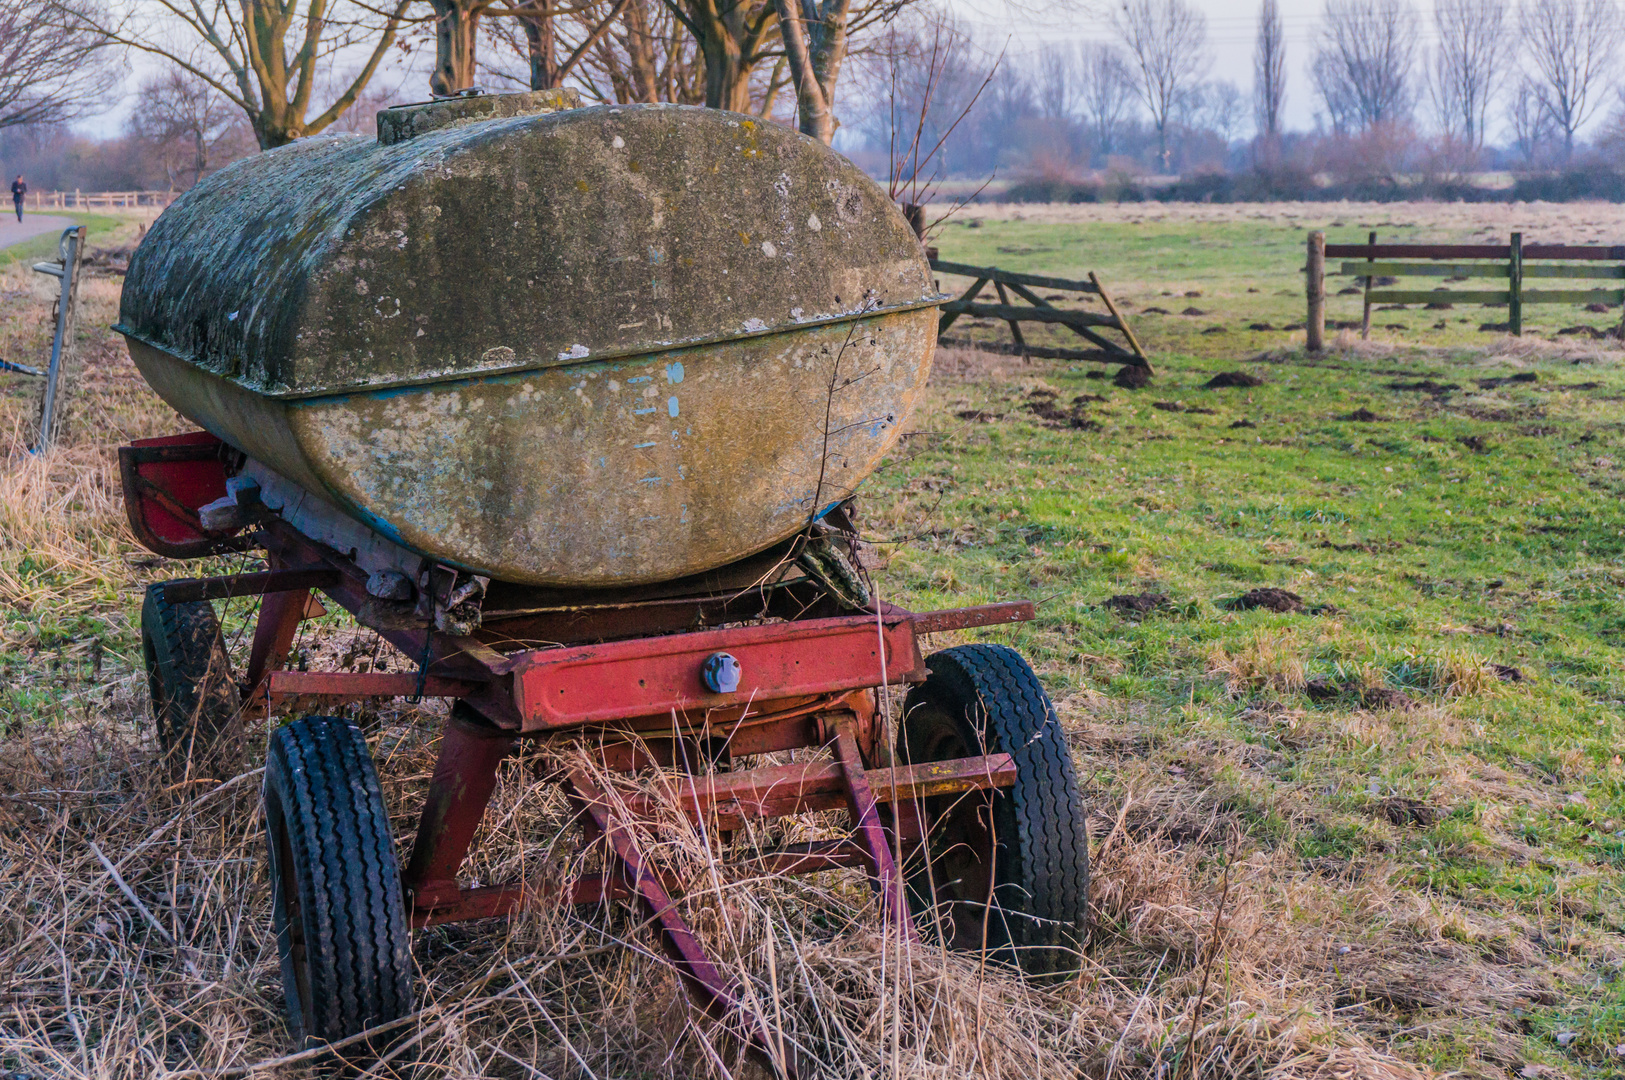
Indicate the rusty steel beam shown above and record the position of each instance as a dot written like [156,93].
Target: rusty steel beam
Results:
[706,984]
[870,834]
[190,590]
[778,790]
[284,687]
[465,775]
[646,677]
[500,901]
[937,622]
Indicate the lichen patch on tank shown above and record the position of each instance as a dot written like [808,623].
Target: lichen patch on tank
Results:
[499,345]
[304,239]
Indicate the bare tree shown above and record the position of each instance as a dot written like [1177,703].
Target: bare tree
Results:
[1363,67]
[1269,75]
[649,57]
[1167,43]
[1106,91]
[555,37]
[267,57]
[814,33]
[182,118]
[733,37]
[52,69]
[1055,82]
[1222,109]
[1570,44]
[1532,129]
[1466,64]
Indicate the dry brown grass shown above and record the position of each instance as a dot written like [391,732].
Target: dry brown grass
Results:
[134,916]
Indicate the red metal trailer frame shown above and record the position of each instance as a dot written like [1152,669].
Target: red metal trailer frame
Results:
[629,674]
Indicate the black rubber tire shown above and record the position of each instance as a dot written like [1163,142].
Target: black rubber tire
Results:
[194,698]
[985,699]
[340,918]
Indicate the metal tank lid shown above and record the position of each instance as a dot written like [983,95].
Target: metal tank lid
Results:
[399,123]
[480,235]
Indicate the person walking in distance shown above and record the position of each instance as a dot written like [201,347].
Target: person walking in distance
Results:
[18,190]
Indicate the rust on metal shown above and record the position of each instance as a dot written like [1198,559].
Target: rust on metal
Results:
[777,790]
[191,590]
[465,775]
[560,688]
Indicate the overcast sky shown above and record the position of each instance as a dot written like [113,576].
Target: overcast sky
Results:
[1232,26]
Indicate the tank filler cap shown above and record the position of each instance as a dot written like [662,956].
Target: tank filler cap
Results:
[398,123]
[721,673]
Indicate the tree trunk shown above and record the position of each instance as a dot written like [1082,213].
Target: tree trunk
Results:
[642,70]
[457,24]
[539,39]
[727,79]
[814,46]
[730,35]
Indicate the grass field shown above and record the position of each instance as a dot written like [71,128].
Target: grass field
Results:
[1386,829]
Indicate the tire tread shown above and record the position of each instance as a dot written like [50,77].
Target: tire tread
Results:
[358,941]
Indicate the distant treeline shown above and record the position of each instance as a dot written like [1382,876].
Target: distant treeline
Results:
[1599,183]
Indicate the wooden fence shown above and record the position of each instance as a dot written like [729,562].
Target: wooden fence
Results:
[96,200]
[1513,263]
[1085,324]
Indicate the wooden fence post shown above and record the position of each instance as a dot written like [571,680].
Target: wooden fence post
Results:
[1365,314]
[1515,287]
[1315,290]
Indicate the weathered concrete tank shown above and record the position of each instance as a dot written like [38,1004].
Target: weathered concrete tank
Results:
[576,347]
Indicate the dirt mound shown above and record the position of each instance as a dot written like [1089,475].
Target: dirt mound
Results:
[1407,812]
[1232,378]
[1426,386]
[1363,416]
[1243,423]
[1168,406]
[979,416]
[1271,599]
[1138,603]
[1193,311]
[1520,377]
[1154,311]
[1324,689]
[1259,326]
[1042,405]
[1131,377]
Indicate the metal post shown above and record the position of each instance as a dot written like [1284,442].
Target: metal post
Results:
[72,250]
[915,213]
[274,633]
[465,775]
[1515,285]
[1365,314]
[1315,290]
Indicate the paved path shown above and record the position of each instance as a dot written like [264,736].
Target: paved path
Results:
[11,232]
